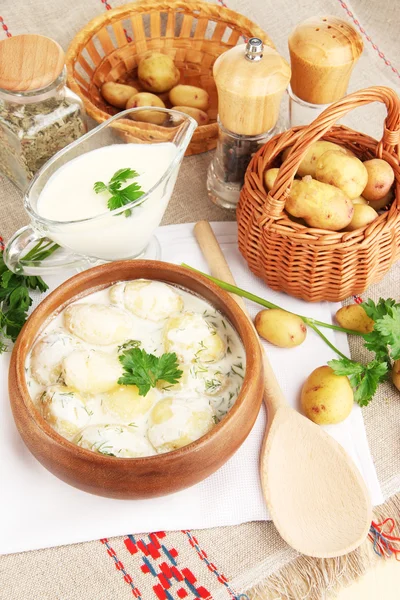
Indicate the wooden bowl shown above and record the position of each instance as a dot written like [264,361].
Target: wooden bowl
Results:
[135,477]
[192,33]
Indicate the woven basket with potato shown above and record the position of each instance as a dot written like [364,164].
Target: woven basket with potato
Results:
[149,48]
[322,221]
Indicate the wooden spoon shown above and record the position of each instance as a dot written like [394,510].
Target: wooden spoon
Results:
[315,494]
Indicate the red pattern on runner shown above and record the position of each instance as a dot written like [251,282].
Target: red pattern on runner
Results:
[4,27]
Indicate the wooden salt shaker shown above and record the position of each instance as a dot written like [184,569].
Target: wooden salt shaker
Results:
[251,79]
[323,52]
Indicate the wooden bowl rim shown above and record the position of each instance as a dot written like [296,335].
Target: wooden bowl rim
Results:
[247,336]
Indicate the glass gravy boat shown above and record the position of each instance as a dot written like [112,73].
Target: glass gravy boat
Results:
[123,233]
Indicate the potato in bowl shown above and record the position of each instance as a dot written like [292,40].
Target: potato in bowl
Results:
[158,442]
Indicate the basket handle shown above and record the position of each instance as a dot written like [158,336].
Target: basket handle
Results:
[275,201]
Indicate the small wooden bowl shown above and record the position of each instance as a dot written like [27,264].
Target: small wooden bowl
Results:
[135,477]
[192,33]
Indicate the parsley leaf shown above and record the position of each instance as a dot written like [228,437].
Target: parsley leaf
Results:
[389,328]
[120,197]
[144,370]
[15,300]
[364,379]
[377,311]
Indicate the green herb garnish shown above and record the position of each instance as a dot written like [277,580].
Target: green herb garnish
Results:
[120,197]
[144,370]
[383,341]
[14,296]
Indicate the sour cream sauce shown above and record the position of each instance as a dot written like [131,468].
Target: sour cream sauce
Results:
[153,423]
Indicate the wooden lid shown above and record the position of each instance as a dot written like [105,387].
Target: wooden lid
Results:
[29,62]
[233,72]
[326,41]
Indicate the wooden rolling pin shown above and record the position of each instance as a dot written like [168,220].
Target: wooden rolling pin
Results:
[314,492]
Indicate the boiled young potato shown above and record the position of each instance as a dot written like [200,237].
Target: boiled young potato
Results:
[380,179]
[147,116]
[91,371]
[281,328]
[117,94]
[344,172]
[126,404]
[326,398]
[198,115]
[97,323]
[64,409]
[120,441]
[48,355]
[193,338]
[316,150]
[321,205]
[189,95]
[354,317]
[147,299]
[157,72]
[363,215]
[270,176]
[176,423]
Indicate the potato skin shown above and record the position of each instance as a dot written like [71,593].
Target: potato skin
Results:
[313,154]
[147,116]
[281,328]
[363,215]
[354,317]
[117,94]
[321,205]
[326,398]
[380,179]
[270,176]
[344,172]
[157,72]
[396,374]
[200,116]
[189,95]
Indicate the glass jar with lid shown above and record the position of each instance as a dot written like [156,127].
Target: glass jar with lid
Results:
[39,115]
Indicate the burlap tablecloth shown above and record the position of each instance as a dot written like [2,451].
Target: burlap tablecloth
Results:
[222,562]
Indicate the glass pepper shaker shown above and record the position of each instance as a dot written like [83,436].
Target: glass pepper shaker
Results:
[39,115]
[323,52]
[251,79]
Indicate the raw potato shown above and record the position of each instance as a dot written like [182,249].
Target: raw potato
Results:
[315,151]
[321,205]
[345,172]
[354,317]
[189,95]
[147,116]
[359,200]
[382,202]
[281,328]
[269,178]
[396,374]
[326,398]
[117,94]
[157,72]
[380,179]
[200,116]
[363,215]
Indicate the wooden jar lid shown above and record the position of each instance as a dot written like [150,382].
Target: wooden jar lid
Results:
[29,62]
[323,51]
[249,92]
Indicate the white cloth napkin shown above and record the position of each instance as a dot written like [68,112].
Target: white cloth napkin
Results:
[37,510]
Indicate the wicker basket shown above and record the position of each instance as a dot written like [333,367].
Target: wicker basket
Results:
[194,34]
[309,263]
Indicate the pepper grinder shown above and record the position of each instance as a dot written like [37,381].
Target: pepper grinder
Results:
[251,79]
[323,52]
